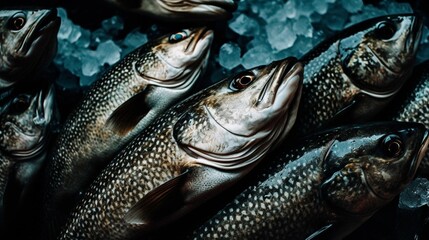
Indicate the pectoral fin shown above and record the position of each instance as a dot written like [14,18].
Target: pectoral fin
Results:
[158,203]
[129,114]
[180,195]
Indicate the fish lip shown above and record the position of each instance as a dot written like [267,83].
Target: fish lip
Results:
[43,110]
[181,80]
[45,25]
[413,39]
[288,67]
[415,163]
[199,34]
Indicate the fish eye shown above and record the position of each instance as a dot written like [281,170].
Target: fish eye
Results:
[392,145]
[17,21]
[385,30]
[242,81]
[179,36]
[19,105]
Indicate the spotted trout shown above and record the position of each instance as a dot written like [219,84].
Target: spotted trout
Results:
[25,129]
[325,186]
[28,43]
[354,74]
[118,106]
[187,10]
[413,104]
[193,152]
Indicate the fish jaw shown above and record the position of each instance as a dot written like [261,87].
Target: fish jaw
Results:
[378,66]
[375,172]
[189,10]
[34,46]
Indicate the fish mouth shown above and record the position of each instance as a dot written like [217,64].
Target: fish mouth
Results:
[199,34]
[413,40]
[199,44]
[415,163]
[200,7]
[284,77]
[43,28]
[42,111]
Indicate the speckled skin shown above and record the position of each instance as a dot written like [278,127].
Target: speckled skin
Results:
[164,72]
[187,10]
[167,148]
[415,104]
[356,68]
[318,182]
[26,51]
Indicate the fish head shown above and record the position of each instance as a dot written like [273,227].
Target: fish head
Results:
[24,123]
[175,60]
[197,8]
[378,56]
[368,166]
[240,118]
[28,42]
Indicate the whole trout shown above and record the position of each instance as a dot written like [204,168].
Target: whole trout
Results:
[118,106]
[324,186]
[190,154]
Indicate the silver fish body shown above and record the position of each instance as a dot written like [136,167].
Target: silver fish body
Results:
[413,106]
[190,154]
[354,74]
[188,10]
[25,129]
[326,185]
[28,43]
[122,103]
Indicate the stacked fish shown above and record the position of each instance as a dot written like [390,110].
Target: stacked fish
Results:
[141,153]
[27,106]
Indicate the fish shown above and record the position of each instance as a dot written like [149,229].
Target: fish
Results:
[25,133]
[119,105]
[323,186]
[191,153]
[357,72]
[187,10]
[412,105]
[28,43]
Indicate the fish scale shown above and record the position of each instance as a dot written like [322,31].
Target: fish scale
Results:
[164,157]
[349,77]
[299,191]
[126,99]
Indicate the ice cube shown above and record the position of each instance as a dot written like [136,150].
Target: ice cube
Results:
[352,6]
[244,25]
[73,64]
[65,29]
[75,34]
[335,19]
[84,39]
[108,52]
[113,25]
[415,195]
[90,65]
[229,55]
[302,26]
[133,40]
[280,35]
[259,55]
[303,8]
[394,7]
[320,6]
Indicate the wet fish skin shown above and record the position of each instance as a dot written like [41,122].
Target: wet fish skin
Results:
[118,106]
[198,148]
[354,74]
[25,128]
[188,10]
[335,179]
[28,40]
[413,105]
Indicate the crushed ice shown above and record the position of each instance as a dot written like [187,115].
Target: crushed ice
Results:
[259,32]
